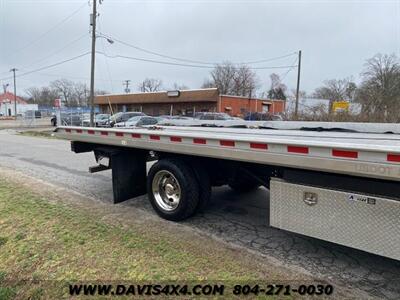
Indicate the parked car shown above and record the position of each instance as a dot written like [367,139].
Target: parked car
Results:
[213,116]
[100,120]
[258,116]
[103,120]
[138,121]
[181,118]
[123,117]
[67,120]
[33,114]
[176,117]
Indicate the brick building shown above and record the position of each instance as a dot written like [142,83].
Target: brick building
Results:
[187,102]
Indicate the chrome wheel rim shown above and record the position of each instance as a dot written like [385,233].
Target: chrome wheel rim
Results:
[166,190]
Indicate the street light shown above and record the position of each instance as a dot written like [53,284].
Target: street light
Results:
[109,40]
[5,86]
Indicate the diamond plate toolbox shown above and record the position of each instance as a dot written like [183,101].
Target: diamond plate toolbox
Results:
[359,221]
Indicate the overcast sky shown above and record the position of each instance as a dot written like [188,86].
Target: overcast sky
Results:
[336,37]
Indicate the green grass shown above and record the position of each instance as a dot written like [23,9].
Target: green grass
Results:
[42,134]
[46,244]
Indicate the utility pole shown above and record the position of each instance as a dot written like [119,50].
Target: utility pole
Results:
[296,110]
[126,83]
[15,93]
[93,61]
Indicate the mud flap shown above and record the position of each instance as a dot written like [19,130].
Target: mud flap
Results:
[128,174]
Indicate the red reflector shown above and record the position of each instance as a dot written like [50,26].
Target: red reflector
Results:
[175,139]
[119,134]
[90,131]
[79,131]
[344,153]
[67,130]
[103,132]
[227,143]
[136,135]
[199,141]
[297,149]
[155,137]
[259,146]
[393,157]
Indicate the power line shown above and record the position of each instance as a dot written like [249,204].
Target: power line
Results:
[77,77]
[183,65]
[34,41]
[190,60]
[283,75]
[49,66]
[136,59]
[57,51]
[106,61]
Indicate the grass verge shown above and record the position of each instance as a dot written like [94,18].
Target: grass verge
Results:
[42,134]
[45,244]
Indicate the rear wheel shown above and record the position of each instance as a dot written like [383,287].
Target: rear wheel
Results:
[173,189]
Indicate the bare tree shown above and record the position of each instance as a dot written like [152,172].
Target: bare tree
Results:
[379,92]
[48,95]
[34,94]
[208,83]
[245,82]
[336,90]
[80,93]
[65,88]
[150,85]
[177,86]
[43,95]
[222,77]
[278,89]
[302,94]
[233,80]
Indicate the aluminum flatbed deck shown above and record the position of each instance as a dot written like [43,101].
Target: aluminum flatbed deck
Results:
[360,154]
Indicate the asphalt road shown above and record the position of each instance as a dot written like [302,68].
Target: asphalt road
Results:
[238,219]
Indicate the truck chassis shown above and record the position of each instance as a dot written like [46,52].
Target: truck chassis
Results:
[341,187]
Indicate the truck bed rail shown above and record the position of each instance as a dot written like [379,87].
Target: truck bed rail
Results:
[360,154]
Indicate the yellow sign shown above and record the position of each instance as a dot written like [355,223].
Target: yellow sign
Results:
[340,106]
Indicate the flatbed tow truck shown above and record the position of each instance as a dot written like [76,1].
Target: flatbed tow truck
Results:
[337,182]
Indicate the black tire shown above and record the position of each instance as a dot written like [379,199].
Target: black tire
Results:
[190,192]
[243,184]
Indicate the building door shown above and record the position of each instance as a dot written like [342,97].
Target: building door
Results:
[266,108]
[9,112]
